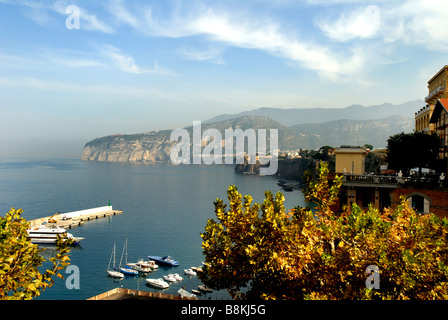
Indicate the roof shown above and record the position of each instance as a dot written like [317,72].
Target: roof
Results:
[438,73]
[442,104]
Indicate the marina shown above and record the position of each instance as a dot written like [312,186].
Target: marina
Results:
[152,225]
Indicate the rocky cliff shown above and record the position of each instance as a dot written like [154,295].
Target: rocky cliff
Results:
[291,169]
[147,147]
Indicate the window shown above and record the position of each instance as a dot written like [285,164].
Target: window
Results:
[420,203]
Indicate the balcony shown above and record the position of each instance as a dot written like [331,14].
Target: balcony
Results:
[434,92]
[384,181]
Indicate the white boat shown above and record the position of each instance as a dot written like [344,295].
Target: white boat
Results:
[204,288]
[177,277]
[170,278]
[139,266]
[185,294]
[190,272]
[44,235]
[197,269]
[159,283]
[150,264]
[113,272]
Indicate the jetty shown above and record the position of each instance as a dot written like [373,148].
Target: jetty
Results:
[130,294]
[76,218]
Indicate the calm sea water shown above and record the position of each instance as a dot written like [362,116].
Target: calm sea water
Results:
[165,208]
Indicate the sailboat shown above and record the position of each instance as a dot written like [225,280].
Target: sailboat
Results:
[113,272]
[126,270]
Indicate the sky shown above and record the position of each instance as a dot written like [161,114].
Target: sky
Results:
[72,71]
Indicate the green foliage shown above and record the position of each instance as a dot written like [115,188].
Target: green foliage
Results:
[263,252]
[20,259]
[409,150]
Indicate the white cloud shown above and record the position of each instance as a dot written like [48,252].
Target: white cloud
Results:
[262,34]
[126,62]
[117,9]
[213,55]
[414,22]
[360,23]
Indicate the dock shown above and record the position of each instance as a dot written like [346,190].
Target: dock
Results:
[76,218]
[129,294]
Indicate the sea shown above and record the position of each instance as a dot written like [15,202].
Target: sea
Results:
[165,209]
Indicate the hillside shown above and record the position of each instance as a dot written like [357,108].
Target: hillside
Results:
[351,132]
[156,146]
[289,117]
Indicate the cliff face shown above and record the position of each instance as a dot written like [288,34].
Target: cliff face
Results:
[149,147]
[292,169]
[156,146]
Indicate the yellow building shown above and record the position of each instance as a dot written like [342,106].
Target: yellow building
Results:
[437,89]
[350,160]
[440,120]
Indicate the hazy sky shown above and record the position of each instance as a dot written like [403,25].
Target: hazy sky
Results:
[137,66]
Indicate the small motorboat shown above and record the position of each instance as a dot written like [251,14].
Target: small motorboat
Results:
[170,278]
[197,269]
[204,288]
[195,291]
[158,283]
[177,277]
[185,294]
[149,264]
[139,266]
[165,260]
[190,272]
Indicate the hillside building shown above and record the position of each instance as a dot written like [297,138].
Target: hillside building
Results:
[426,193]
[437,89]
[350,159]
[439,119]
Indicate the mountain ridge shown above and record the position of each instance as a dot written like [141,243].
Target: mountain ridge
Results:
[156,145]
[293,116]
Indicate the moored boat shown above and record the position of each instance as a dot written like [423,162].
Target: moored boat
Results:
[190,272]
[139,266]
[126,270]
[113,272]
[44,235]
[159,283]
[177,277]
[204,288]
[169,278]
[165,260]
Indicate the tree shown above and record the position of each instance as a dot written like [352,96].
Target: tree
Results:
[263,252]
[410,150]
[20,259]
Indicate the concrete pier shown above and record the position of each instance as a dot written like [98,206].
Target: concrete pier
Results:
[129,294]
[73,219]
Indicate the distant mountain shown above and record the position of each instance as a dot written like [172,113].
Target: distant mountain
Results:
[289,117]
[351,132]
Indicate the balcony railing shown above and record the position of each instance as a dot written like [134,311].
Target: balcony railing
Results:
[434,92]
[421,181]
